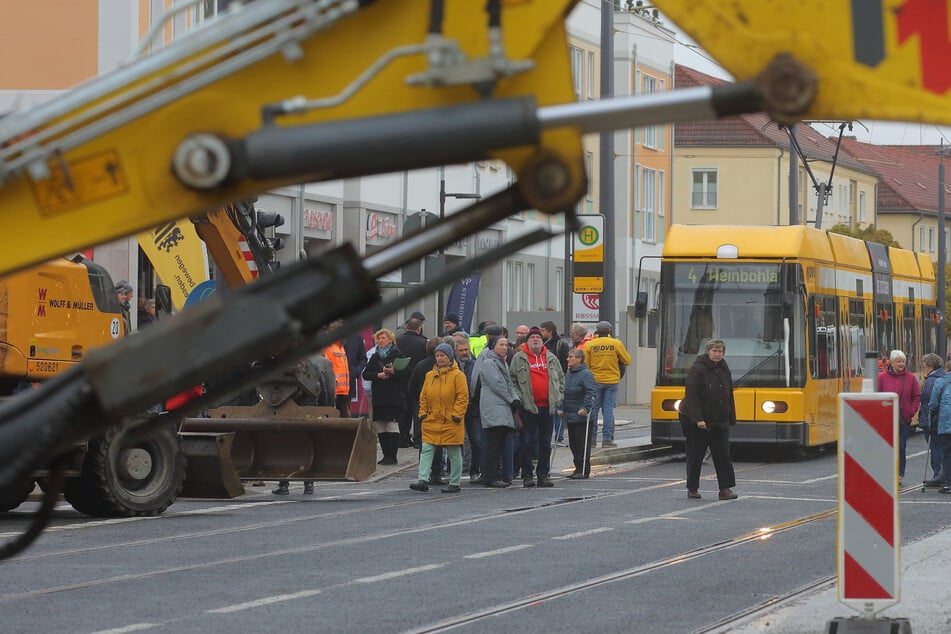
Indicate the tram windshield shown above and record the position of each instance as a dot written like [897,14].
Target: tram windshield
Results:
[753,307]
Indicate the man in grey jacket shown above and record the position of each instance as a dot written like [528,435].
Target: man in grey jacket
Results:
[539,382]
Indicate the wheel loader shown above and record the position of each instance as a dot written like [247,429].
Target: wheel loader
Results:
[52,315]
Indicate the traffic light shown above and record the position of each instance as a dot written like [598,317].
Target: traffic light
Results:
[268,220]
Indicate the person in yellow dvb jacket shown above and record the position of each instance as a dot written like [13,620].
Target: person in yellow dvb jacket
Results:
[607,359]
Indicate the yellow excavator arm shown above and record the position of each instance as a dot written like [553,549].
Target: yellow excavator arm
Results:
[164,136]
[874,59]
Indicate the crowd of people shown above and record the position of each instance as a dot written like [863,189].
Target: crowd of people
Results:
[491,405]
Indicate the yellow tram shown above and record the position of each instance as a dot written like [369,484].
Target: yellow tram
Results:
[798,308]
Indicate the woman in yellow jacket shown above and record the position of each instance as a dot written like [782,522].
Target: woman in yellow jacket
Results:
[442,409]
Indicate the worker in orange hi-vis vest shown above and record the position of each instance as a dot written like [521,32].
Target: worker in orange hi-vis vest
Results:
[338,357]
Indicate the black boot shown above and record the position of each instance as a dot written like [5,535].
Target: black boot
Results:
[391,444]
[281,488]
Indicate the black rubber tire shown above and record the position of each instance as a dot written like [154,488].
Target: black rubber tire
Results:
[106,487]
[15,496]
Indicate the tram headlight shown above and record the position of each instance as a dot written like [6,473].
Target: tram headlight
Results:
[774,407]
[670,405]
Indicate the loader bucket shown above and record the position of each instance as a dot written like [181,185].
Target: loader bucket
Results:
[308,446]
[210,471]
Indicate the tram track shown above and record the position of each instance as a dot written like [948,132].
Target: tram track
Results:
[511,508]
[95,523]
[720,627]
[535,600]
[484,615]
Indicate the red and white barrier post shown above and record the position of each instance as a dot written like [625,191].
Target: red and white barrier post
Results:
[869,537]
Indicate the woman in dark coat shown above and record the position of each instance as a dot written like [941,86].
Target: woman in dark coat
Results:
[388,394]
[706,414]
[580,396]
[935,370]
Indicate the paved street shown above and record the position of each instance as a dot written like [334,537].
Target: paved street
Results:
[623,551]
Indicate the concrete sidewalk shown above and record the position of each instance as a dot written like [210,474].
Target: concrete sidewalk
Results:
[925,570]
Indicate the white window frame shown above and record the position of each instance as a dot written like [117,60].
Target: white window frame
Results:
[649,204]
[704,201]
[649,133]
[589,167]
[559,285]
[590,78]
[514,278]
[862,207]
[529,299]
[577,70]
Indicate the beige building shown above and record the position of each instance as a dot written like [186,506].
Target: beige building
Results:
[736,171]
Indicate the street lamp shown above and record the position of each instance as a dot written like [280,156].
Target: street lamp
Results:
[942,258]
[443,195]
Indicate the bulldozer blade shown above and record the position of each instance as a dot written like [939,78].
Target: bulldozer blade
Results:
[210,471]
[295,449]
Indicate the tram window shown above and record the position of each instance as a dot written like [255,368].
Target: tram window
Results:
[856,339]
[929,330]
[824,355]
[884,329]
[908,339]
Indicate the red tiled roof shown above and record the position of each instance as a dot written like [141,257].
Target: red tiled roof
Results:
[752,130]
[909,174]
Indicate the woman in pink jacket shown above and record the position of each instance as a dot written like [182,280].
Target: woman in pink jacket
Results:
[897,379]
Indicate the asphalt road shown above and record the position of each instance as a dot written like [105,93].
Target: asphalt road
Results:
[624,551]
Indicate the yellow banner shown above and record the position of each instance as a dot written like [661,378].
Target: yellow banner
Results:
[875,59]
[178,255]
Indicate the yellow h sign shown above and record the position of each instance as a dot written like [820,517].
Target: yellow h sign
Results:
[588,270]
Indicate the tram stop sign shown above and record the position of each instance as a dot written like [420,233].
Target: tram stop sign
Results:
[588,255]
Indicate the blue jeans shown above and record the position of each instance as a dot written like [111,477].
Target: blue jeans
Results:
[935,450]
[943,442]
[605,401]
[536,442]
[558,424]
[903,432]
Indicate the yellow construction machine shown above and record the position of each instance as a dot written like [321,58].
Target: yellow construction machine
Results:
[273,92]
[52,315]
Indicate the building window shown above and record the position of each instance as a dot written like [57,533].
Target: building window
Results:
[649,134]
[661,196]
[648,202]
[704,191]
[862,207]
[931,239]
[577,70]
[589,167]
[590,82]
[559,286]
[529,300]
[921,238]
[514,270]
[803,193]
